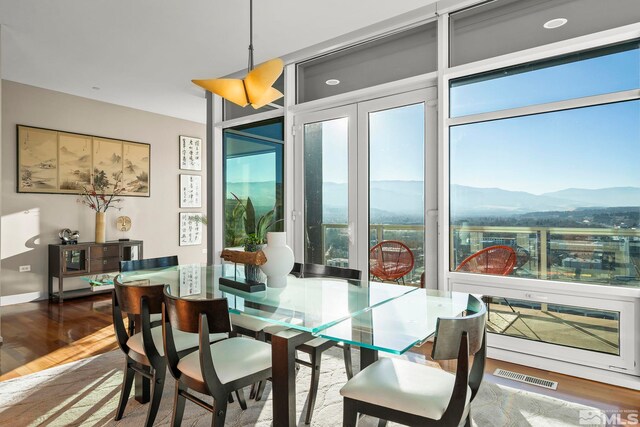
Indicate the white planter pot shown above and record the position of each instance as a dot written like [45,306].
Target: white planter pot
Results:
[279,259]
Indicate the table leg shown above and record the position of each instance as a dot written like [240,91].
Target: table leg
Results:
[283,368]
[142,385]
[367,357]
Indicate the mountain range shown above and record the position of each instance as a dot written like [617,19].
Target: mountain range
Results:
[404,199]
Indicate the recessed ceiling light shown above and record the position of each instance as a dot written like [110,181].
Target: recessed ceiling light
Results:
[95,88]
[555,23]
[333,82]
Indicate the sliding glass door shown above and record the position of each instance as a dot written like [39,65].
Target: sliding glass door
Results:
[364,188]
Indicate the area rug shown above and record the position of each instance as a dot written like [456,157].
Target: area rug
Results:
[85,393]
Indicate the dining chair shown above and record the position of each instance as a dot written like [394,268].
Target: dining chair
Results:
[144,352]
[217,369]
[317,346]
[409,393]
[145,264]
[263,330]
[390,260]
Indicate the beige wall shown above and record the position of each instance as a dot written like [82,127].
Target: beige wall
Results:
[31,221]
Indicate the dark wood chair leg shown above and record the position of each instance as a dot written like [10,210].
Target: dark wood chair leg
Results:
[348,364]
[230,399]
[467,423]
[316,359]
[252,392]
[349,414]
[241,401]
[219,411]
[178,406]
[382,423]
[125,391]
[157,385]
[260,390]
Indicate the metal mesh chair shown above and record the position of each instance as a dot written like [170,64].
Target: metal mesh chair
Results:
[390,260]
[499,260]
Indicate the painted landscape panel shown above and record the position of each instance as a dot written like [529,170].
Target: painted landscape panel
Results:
[135,176]
[74,162]
[107,163]
[37,160]
[51,161]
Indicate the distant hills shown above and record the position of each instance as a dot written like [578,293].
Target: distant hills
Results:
[474,201]
[402,201]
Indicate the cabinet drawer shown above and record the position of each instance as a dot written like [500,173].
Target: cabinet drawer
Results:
[104,251]
[104,265]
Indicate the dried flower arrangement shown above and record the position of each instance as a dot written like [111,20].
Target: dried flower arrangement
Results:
[95,195]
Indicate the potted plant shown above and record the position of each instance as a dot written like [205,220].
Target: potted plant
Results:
[256,231]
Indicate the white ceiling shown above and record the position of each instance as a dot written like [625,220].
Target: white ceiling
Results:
[144,53]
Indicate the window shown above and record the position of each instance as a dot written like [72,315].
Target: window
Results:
[609,70]
[560,187]
[253,169]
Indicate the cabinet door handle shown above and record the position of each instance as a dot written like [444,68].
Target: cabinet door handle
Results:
[104,262]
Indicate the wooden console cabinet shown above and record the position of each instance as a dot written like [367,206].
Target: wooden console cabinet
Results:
[85,259]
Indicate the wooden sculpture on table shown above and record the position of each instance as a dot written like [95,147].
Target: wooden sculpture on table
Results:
[242,257]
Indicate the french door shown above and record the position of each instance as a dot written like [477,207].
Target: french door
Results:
[366,173]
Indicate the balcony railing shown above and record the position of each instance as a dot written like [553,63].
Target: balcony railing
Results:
[595,255]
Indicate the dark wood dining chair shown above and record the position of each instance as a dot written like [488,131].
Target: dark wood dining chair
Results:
[144,352]
[317,346]
[146,264]
[217,369]
[262,330]
[412,394]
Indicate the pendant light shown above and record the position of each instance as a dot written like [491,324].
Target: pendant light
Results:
[257,86]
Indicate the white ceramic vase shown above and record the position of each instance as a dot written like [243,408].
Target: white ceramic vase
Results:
[279,259]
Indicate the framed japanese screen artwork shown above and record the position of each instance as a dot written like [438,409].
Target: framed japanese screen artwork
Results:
[51,161]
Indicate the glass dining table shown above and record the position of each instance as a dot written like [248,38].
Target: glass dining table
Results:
[371,315]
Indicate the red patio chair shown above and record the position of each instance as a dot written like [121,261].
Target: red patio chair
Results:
[499,260]
[390,260]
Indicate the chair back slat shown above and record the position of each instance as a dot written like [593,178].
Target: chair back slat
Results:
[449,331]
[319,270]
[184,314]
[129,297]
[296,270]
[145,264]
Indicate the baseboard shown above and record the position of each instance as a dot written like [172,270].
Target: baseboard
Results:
[566,368]
[20,298]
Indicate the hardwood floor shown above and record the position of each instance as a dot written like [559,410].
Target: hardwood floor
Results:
[40,335]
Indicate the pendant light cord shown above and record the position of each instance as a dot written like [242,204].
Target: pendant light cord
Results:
[250,66]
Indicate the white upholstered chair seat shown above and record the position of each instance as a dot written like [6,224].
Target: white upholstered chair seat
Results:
[404,386]
[257,325]
[155,317]
[249,323]
[233,358]
[183,340]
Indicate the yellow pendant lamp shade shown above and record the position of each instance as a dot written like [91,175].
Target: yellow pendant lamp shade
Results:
[255,89]
[260,80]
[230,89]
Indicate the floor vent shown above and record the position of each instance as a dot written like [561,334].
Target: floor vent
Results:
[516,376]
